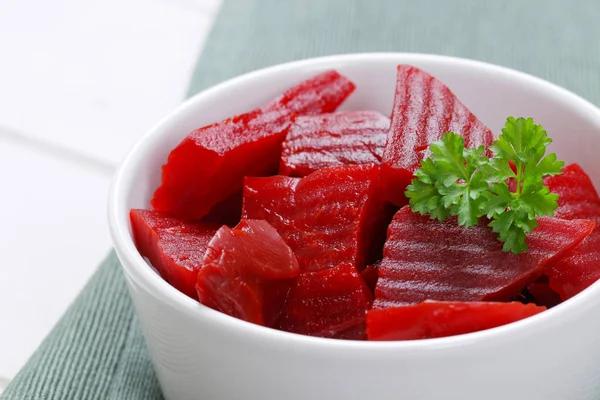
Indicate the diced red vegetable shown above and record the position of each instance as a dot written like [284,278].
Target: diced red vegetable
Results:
[426,259]
[273,199]
[330,303]
[209,165]
[248,272]
[333,140]
[330,217]
[424,109]
[370,275]
[579,268]
[322,93]
[433,319]
[341,217]
[173,246]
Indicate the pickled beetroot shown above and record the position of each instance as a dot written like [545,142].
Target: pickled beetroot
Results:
[330,217]
[273,199]
[424,109]
[330,303]
[322,93]
[174,247]
[426,259]
[433,319]
[247,272]
[227,212]
[209,165]
[333,140]
[580,267]
[542,293]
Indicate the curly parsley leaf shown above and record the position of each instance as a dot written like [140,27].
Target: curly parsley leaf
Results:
[467,184]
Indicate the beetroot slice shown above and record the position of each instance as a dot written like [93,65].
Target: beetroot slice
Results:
[330,217]
[341,217]
[330,303]
[209,165]
[333,140]
[426,259]
[424,109]
[579,268]
[247,272]
[273,199]
[173,246]
[433,319]
[322,93]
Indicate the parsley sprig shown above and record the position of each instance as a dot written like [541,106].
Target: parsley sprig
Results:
[508,188]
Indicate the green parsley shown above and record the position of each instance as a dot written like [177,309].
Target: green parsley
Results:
[466,183]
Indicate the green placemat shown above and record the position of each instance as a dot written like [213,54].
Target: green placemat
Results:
[96,351]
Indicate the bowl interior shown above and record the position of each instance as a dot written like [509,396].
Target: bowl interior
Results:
[491,92]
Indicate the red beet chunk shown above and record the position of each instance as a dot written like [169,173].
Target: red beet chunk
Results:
[174,247]
[209,165]
[273,199]
[330,217]
[426,259]
[424,109]
[247,272]
[433,319]
[330,303]
[322,93]
[580,267]
[333,140]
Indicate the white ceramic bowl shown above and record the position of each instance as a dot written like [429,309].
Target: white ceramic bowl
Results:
[200,353]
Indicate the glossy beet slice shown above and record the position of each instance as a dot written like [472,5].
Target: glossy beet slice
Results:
[341,217]
[173,246]
[433,319]
[580,267]
[332,216]
[330,303]
[333,140]
[426,259]
[247,272]
[424,109]
[209,165]
[273,199]
[322,93]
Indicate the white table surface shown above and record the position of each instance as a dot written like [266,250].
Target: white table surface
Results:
[80,82]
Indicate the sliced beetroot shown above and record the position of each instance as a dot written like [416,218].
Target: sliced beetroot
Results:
[433,319]
[173,246]
[370,275]
[227,212]
[341,217]
[273,199]
[330,217]
[322,93]
[333,140]
[424,109]
[330,303]
[426,259]
[247,272]
[579,268]
[209,165]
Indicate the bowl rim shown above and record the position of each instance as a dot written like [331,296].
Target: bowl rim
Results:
[135,266]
